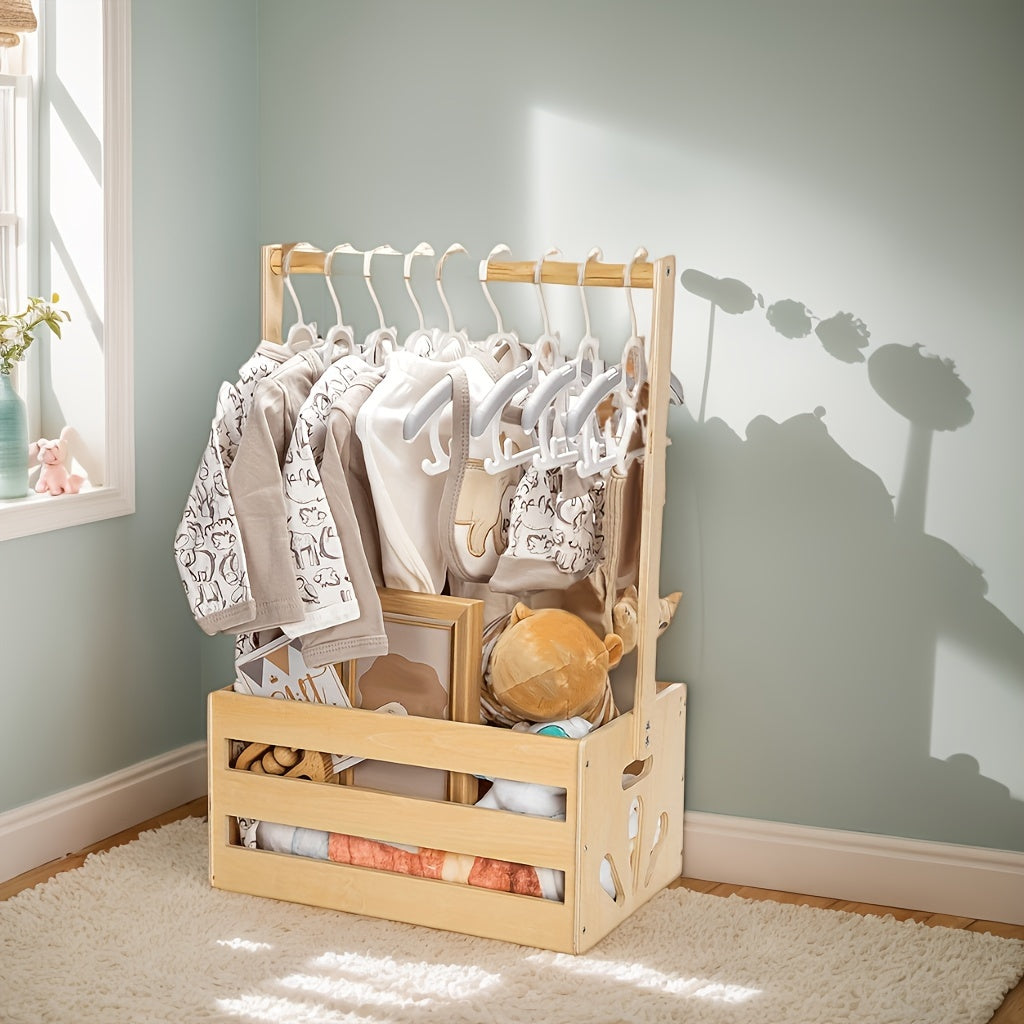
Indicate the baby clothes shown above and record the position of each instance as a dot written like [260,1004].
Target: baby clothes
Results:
[343,464]
[256,487]
[594,597]
[208,548]
[405,498]
[320,569]
[260,365]
[555,531]
[475,504]
[338,466]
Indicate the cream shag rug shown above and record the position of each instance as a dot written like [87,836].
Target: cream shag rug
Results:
[137,935]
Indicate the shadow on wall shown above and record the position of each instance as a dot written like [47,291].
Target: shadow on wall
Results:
[824,602]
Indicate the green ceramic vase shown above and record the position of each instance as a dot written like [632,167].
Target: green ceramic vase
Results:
[13,441]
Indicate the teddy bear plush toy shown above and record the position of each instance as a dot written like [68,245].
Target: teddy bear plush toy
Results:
[548,664]
[54,477]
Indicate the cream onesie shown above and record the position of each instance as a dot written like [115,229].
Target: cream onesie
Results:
[414,513]
[405,498]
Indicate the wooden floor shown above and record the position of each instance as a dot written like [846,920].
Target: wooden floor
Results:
[1011,1012]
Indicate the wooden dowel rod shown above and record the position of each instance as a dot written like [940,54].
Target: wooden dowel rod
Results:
[606,275]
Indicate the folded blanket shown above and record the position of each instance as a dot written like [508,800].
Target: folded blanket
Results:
[504,876]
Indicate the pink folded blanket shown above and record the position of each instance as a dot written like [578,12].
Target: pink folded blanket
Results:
[451,867]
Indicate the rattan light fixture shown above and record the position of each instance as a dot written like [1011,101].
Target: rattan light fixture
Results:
[15,16]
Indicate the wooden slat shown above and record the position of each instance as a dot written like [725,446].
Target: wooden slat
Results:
[450,906]
[947,921]
[449,746]
[725,889]
[1004,931]
[457,828]
[792,898]
[874,910]
[693,884]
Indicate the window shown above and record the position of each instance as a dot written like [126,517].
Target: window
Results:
[15,117]
[72,234]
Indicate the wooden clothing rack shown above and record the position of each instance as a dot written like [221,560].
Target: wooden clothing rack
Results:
[631,767]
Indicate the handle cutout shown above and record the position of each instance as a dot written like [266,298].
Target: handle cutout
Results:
[635,771]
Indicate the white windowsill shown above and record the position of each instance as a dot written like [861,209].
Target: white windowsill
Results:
[39,513]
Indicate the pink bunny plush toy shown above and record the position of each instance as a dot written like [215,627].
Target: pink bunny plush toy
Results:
[54,477]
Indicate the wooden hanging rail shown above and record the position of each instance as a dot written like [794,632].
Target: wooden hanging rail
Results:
[607,275]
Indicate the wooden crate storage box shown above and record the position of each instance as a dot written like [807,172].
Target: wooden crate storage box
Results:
[596,826]
[645,744]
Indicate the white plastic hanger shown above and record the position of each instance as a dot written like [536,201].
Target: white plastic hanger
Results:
[421,340]
[547,405]
[603,446]
[429,406]
[433,403]
[382,341]
[454,342]
[640,256]
[300,335]
[502,344]
[612,380]
[340,335]
[544,357]
[675,387]
[574,373]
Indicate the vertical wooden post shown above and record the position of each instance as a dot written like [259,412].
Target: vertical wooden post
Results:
[271,296]
[659,375]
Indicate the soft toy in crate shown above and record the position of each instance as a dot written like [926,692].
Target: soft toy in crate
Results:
[548,664]
[52,457]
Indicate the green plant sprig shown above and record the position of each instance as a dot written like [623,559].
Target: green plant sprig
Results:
[16,329]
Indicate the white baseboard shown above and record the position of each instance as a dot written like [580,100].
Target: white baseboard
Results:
[965,881]
[61,824]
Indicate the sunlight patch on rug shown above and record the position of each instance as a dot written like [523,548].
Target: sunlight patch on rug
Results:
[137,934]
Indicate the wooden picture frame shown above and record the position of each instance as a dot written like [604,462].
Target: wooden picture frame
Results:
[433,669]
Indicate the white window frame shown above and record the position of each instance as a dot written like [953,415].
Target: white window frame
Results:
[21,517]
[17,170]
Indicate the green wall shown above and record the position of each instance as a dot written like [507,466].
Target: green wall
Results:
[103,665]
[854,594]
[848,667]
